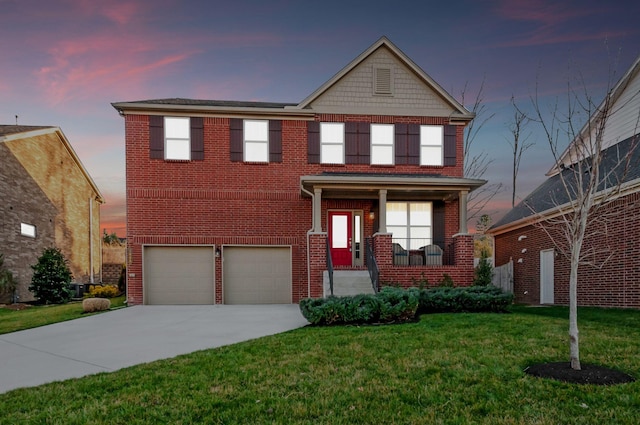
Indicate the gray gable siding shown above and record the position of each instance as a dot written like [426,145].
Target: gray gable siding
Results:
[354,93]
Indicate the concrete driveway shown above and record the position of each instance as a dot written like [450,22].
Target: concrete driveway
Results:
[130,336]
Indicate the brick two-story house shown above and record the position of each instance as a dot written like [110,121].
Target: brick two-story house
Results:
[47,199]
[240,202]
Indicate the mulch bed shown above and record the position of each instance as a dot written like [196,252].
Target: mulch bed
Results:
[590,374]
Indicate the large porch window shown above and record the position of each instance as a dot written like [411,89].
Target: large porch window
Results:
[411,223]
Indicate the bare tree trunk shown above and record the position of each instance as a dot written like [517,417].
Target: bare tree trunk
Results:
[574,341]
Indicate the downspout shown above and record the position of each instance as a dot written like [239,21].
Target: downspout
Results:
[313,212]
[91,240]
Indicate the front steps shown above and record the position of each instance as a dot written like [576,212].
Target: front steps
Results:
[348,282]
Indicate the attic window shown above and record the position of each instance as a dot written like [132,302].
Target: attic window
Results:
[382,81]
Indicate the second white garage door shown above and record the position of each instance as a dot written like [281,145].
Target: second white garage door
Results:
[178,275]
[257,275]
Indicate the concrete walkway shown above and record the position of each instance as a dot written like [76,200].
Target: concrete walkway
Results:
[130,336]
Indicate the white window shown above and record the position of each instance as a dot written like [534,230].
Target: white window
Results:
[331,143]
[410,223]
[382,144]
[177,141]
[28,230]
[256,140]
[431,144]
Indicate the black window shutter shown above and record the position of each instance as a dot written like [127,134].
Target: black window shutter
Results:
[364,142]
[400,141]
[313,142]
[351,143]
[413,144]
[236,139]
[197,138]
[450,145]
[275,141]
[357,142]
[156,137]
[438,224]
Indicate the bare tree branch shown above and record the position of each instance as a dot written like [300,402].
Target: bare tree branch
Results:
[476,164]
[519,144]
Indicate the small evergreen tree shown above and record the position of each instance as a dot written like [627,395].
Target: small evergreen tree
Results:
[51,278]
[8,284]
[483,275]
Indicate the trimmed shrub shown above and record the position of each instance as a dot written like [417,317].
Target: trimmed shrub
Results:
[51,278]
[107,291]
[464,299]
[388,306]
[398,305]
[89,305]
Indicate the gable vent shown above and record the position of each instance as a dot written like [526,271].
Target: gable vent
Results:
[382,83]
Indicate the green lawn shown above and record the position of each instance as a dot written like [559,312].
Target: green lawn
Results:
[32,317]
[445,369]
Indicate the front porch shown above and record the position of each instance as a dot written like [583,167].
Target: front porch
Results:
[414,224]
[355,280]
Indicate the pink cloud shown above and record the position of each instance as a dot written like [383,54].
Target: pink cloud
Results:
[78,69]
[122,64]
[118,11]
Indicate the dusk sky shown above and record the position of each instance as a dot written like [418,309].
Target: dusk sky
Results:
[64,62]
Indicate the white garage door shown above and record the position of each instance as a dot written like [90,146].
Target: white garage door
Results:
[257,275]
[178,275]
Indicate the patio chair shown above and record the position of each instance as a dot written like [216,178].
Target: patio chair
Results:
[433,255]
[400,255]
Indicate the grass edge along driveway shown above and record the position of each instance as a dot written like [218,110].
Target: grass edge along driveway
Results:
[33,317]
[446,368]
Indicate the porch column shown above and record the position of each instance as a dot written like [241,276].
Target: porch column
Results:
[382,220]
[317,210]
[462,201]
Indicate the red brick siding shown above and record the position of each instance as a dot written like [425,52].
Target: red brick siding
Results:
[615,284]
[318,263]
[407,276]
[218,202]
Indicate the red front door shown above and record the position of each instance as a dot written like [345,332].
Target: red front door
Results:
[340,237]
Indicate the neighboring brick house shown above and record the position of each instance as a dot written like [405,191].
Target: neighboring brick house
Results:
[48,199]
[541,273]
[238,202]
